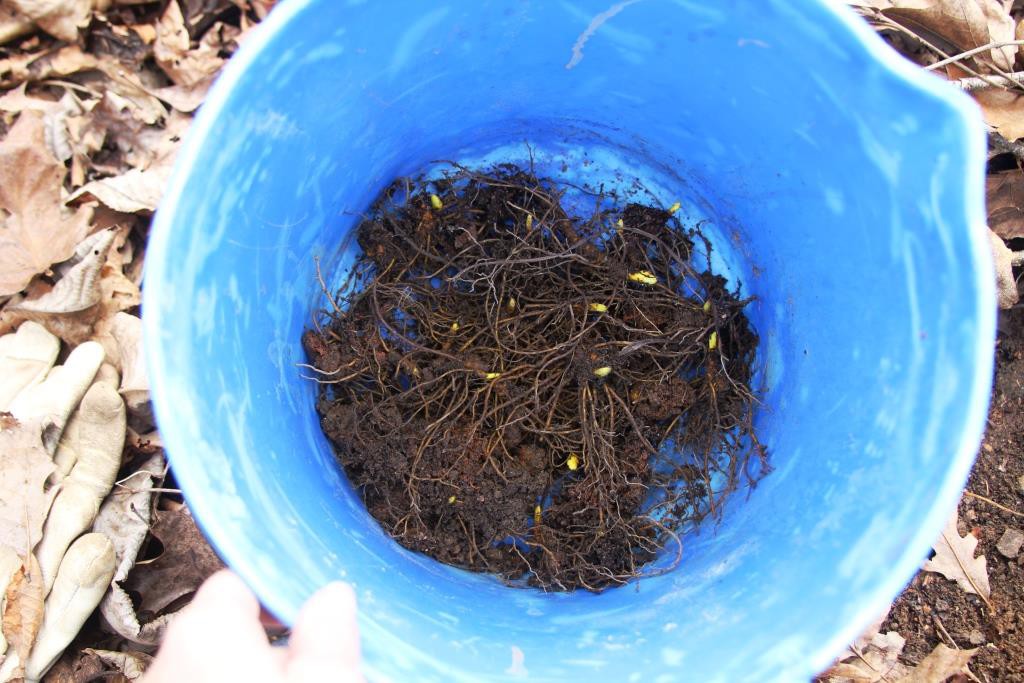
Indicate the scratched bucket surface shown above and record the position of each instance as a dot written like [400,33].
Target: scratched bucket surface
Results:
[841,187]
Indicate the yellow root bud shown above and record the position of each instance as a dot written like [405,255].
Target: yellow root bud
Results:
[644,277]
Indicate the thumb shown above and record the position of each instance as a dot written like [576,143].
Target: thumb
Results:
[324,645]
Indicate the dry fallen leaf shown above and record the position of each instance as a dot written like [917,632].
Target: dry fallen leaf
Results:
[118,292]
[183,65]
[126,331]
[39,231]
[77,667]
[57,117]
[187,560]
[23,614]
[939,665]
[136,190]
[24,468]
[125,518]
[962,24]
[131,664]
[59,18]
[954,558]
[40,66]
[12,24]
[1003,111]
[71,308]
[877,660]
[1006,284]
[1005,198]
[185,98]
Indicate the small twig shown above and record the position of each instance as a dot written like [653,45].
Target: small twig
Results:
[995,504]
[150,490]
[942,628]
[970,53]
[968,84]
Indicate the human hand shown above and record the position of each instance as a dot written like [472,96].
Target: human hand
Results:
[218,637]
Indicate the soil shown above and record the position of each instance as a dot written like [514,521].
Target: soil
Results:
[498,377]
[934,610]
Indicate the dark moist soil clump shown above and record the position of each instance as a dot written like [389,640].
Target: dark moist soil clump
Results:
[498,378]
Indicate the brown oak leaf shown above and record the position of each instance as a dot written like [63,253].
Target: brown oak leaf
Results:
[1005,198]
[954,558]
[37,231]
[187,560]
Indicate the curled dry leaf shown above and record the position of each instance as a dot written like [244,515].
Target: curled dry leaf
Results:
[126,512]
[77,667]
[39,231]
[70,308]
[954,558]
[10,564]
[125,518]
[1006,285]
[127,331]
[187,561]
[118,292]
[77,288]
[183,65]
[1004,194]
[23,614]
[131,664]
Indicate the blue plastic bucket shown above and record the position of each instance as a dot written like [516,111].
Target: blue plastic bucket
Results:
[843,189]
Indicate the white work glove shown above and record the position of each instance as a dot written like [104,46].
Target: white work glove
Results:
[82,420]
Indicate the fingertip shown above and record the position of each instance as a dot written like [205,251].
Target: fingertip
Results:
[226,588]
[326,627]
[338,596]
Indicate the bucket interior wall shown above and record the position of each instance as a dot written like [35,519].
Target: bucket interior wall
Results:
[845,220]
